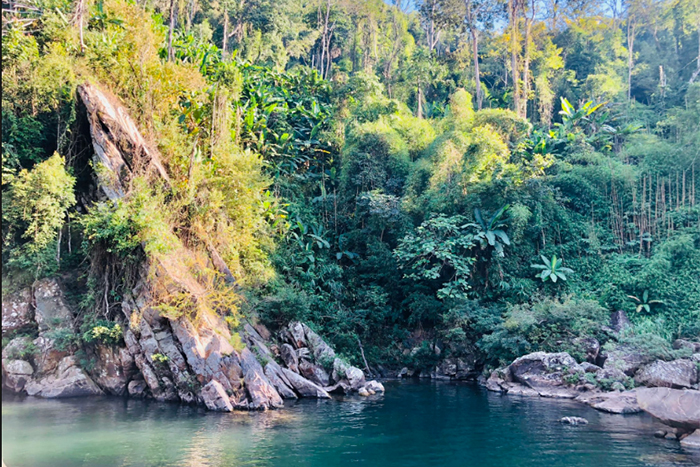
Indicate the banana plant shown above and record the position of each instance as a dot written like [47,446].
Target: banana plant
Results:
[552,269]
[491,233]
[644,303]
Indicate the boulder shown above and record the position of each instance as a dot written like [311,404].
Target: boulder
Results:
[626,359]
[612,402]
[51,309]
[17,311]
[543,370]
[68,381]
[137,388]
[18,348]
[590,367]
[607,377]
[374,387]
[589,346]
[304,387]
[344,371]
[261,393]
[574,421]
[363,392]
[314,373]
[678,374]
[48,356]
[289,356]
[278,379]
[16,374]
[619,321]
[109,371]
[296,334]
[692,441]
[322,352]
[694,347]
[674,407]
[215,397]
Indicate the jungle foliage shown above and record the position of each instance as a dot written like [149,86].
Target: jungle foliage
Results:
[392,175]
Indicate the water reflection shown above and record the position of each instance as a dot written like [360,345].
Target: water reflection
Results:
[414,424]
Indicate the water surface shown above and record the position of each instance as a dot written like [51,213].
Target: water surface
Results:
[414,424]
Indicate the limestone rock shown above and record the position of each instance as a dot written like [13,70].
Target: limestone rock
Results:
[322,352]
[541,369]
[314,373]
[674,407]
[289,356]
[278,379]
[68,381]
[574,421]
[17,311]
[215,397]
[137,388]
[16,374]
[297,335]
[590,347]
[262,394]
[51,308]
[344,371]
[304,387]
[612,402]
[619,321]
[626,359]
[678,374]
[109,372]
[692,441]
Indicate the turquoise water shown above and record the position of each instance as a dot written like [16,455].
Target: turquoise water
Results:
[414,424]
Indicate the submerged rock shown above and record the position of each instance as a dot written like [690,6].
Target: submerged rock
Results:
[574,421]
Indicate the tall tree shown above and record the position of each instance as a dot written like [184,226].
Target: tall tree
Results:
[478,14]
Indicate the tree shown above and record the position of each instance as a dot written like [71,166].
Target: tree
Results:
[478,14]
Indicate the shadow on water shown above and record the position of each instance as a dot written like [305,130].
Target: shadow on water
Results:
[416,423]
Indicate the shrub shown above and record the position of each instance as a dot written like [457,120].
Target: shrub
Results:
[101,332]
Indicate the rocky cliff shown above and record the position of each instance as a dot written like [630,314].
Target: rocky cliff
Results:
[169,360]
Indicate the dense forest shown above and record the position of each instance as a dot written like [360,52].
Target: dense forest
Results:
[408,179]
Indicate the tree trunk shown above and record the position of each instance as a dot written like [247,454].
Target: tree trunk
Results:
[526,65]
[419,112]
[513,12]
[630,55]
[477,75]
[171,55]
[225,40]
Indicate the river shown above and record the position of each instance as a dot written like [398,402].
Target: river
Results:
[416,423]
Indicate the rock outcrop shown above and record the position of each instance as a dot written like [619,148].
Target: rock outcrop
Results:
[678,374]
[673,407]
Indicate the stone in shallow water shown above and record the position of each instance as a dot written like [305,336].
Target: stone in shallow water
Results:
[674,407]
[215,397]
[692,441]
[574,421]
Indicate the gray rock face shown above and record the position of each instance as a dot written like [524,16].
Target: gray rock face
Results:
[304,387]
[353,375]
[215,397]
[17,311]
[289,356]
[51,308]
[137,388]
[68,381]
[278,379]
[16,374]
[322,352]
[262,395]
[692,441]
[314,373]
[678,374]
[590,346]
[296,332]
[694,347]
[541,369]
[612,402]
[619,321]
[674,407]
[626,359]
